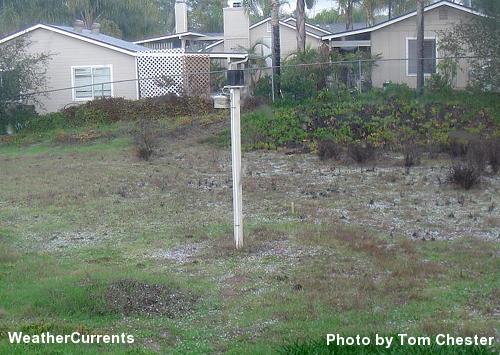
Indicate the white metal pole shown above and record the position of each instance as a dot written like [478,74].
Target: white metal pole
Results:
[236,156]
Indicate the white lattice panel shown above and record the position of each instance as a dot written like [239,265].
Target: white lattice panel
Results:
[163,72]
[159,75]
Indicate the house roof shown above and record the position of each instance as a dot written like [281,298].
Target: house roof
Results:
[117,42]
[317,28]
[201,37]
[211,45]
[401,18]
[100,39]
[340,26]
[286,24]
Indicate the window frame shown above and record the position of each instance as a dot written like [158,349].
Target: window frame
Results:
[91,67]
[408,39]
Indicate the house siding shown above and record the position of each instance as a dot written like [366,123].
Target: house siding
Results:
[390,42]
[288,39]
[68,52]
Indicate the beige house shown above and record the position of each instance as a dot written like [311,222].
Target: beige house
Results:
[395,41]
[84,64]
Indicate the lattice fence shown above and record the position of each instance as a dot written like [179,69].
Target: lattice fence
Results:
[165,72]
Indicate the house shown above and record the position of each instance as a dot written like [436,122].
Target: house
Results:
[87,64]
[395,41]
[82,57]
[239,35]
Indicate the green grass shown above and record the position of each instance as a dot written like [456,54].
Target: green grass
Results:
[77,218]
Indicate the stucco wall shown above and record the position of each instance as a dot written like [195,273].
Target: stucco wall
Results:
[236,24]
[67,52]
[390,41]
[288,39]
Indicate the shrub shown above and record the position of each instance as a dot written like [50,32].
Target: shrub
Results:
[477,155]
[459,142]
[411,154]
[328,149]
[464,175]
[493,154]
[16,117]
[254,102]
[361,151]
[47,122]
[145,140]
[263,87]
[118,109]
[297,81]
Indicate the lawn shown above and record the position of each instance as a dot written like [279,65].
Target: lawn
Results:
[95,240]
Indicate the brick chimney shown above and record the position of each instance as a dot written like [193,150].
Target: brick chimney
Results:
[181,22]
[236,27]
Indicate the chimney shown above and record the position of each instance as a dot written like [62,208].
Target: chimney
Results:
[96,28]
[236,27]
[181,22]
[78,26]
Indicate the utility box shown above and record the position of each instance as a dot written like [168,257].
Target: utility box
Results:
[235,77]
[221,101]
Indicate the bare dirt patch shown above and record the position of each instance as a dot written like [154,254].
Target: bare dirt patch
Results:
[129,297]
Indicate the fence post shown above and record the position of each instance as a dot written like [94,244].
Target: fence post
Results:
[360,88]
[272,86]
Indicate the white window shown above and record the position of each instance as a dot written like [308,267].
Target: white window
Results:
[268,26]
[430,55]
[91,82]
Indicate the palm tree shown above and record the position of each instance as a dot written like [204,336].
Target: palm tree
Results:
[256,6]
[90,11]
[301,23]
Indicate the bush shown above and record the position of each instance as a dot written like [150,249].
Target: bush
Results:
[254,102]
[328,149]
[493,154]
[411,154]
[464,175]
[46,123]
[297,81]
[145,140]
[263,87]
[477,155]
[118,109]
[459,142]
[16,117]
[361,152]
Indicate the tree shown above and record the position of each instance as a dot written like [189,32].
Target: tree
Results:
[132,18]
[479,39]
[20,72]
[301,23]
[420,46]
[206,15]
[347,8]
[275,45]
[370,6]
[331,16]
